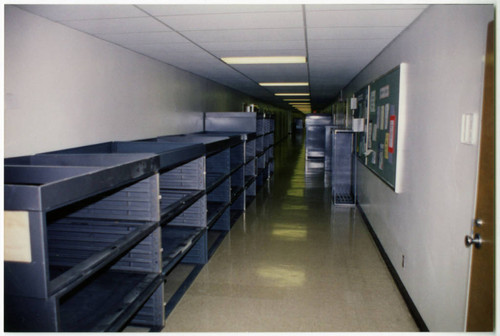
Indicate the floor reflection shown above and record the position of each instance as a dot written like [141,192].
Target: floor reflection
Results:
[294,263]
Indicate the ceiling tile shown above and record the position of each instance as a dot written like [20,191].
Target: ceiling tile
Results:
[342,39]
[172,48]
[133,39]
[234,78]
[348,44]
[234,21]
[340,7]
[114,26]
[257,45]
[362,18]
[346,33]
[163,10]
[275,72]
[324,56]
[246,35]
[83,12]
[262,52]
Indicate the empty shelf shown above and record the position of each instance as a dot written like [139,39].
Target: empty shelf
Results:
[108,301]
[176,243]
[214,211]
[215,179]
[249,179]
[174,201]
[67,250]
[236,167]
[236,191]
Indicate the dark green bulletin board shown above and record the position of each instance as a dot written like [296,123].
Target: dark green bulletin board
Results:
[361,112]
[381,133]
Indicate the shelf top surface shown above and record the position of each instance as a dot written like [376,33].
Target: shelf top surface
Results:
[46,181]
[213,144]
[169,154]
[242,136]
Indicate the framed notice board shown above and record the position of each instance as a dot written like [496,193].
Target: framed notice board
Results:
[361,112]
[382,129]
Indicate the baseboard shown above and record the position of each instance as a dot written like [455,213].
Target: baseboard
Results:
[409,302]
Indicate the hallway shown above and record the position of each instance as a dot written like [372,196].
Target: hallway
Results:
[293,263]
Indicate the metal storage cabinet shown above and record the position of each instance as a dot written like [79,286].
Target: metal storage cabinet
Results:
[315,135]
[181,193]
[91,242]
[343,168]
[329,130]
[298,124]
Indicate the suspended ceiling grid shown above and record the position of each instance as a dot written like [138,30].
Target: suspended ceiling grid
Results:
[338,40]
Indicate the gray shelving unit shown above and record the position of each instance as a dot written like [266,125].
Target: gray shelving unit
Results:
[92,242]
[241,157]
[181,196]
[250,126]
[315,135]
[269,146]
[107,223]
[329,131]
[343,168]
[217,175]
[257,123]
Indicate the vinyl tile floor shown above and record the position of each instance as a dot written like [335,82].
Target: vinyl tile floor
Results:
[294,263]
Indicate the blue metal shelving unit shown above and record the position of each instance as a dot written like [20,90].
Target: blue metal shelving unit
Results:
[106,224]
[93,242]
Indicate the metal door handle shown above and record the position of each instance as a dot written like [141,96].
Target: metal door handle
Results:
[477,241]
[479,222]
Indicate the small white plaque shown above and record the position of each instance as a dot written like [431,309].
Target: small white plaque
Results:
[17,243]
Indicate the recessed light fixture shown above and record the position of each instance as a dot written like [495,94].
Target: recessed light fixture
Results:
[285,84]
[264,60]
[291,94]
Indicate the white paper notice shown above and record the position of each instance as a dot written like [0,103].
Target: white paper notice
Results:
[358,124]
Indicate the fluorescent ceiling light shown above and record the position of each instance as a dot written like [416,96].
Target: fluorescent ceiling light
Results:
[297,100]
[264,60]
[285,84]
[291,94]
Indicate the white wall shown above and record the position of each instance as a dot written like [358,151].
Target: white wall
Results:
[64,88]
[428,221]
